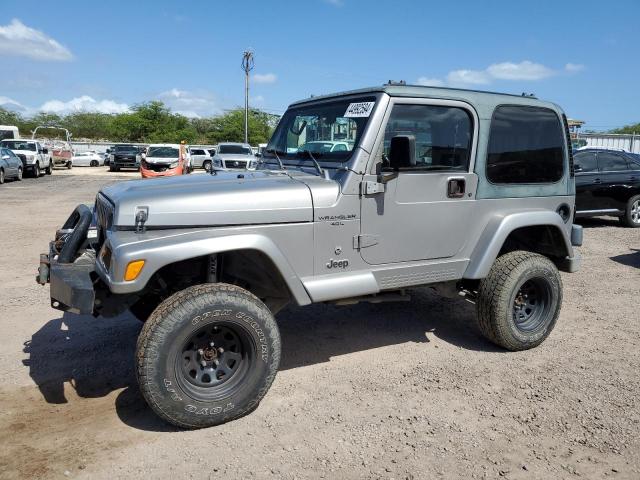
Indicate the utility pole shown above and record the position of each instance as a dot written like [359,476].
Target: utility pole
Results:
[247,66]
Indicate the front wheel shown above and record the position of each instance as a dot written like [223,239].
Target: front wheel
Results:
[94,163]
[519,301]
[207,355]
[1,176]
[19,176]
[69,165]
[207,166]
[631,217]
[36,170]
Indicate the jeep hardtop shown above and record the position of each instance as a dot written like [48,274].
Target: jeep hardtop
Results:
[468,192]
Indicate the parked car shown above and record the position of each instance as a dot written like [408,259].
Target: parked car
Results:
[234,156]
[36,159]
[200,158]
[608,183]
[164,160]
[87,159]
[326,147]
[208,261]
[10,165]
[124,156]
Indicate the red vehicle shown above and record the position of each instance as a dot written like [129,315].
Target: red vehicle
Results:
[164,160]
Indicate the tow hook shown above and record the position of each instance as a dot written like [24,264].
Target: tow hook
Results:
[43,270]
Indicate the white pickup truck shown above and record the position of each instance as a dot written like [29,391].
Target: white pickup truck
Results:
[36,159]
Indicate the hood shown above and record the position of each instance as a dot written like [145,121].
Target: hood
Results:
[227,198]
[24,152]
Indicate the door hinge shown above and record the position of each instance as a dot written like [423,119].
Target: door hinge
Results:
[371,188]
[364,241]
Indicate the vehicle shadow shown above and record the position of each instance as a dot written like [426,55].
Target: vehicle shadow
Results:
[598,222]
[628,259]
[95,356]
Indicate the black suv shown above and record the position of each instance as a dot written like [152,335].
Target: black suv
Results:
[124,156]
[608,183]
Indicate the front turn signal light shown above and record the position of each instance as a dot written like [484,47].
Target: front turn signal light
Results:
[133,270]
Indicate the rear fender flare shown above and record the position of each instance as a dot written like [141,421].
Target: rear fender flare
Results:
[498,229]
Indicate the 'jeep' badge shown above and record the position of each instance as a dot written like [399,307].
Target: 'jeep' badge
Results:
[337,263]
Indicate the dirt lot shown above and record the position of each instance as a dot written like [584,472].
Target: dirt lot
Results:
[387,391]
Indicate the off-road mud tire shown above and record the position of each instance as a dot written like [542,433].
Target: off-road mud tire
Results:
[172,329]
[496,303]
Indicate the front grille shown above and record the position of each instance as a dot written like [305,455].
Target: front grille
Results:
[235,164]
[104,216]
[157,167]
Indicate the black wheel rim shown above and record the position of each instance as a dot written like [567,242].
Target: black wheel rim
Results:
[213,360]
[531,304]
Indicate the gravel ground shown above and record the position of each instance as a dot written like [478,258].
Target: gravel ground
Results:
[407,390]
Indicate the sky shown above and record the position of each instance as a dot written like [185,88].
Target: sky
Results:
[107,56]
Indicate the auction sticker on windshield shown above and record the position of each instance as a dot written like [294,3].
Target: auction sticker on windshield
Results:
[359,109]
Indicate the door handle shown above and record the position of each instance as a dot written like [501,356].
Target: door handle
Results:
[597,180]
[456,187]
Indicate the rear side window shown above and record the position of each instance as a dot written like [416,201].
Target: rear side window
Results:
[197,152]
[610,162]
[526,145]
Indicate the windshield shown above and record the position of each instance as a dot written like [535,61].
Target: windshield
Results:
[234,149]
[125,149]
[330,131]
[19,145]
[163,152]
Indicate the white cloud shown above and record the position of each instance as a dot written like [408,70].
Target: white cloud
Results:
[85,103]
[264,78]
[519,71]
[430,82]
[17,39]
[468,77]
[573,67]
[190,104]
[11,104]
[523,71]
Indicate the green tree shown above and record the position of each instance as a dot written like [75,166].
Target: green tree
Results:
[230,127]
[628,129]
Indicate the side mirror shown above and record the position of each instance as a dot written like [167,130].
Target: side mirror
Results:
[577,168]
[258,154]
[45,150]
[402,152]
[143,155]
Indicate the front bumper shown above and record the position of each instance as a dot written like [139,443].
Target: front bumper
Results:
[169,172]
[71,284]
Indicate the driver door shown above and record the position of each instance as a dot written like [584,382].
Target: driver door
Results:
[423,212]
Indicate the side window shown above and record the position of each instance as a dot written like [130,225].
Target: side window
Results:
[443,135]
[585,162]
[611,162]
[526,145]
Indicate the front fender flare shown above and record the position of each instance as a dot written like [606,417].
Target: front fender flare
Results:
[497,231]
[162,251]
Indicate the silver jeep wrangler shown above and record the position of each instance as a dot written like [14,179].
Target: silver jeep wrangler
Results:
[358,197]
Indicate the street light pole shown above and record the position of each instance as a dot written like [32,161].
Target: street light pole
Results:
[247,66]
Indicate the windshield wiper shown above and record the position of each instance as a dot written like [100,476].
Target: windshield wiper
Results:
[315,162]
[275,153]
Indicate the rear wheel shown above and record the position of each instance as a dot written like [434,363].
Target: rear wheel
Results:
[19,176]
[207,355]
[69,165]
[1,176]
[94,163]
[631,217]
[207,165]
[49,169]
[519,301]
